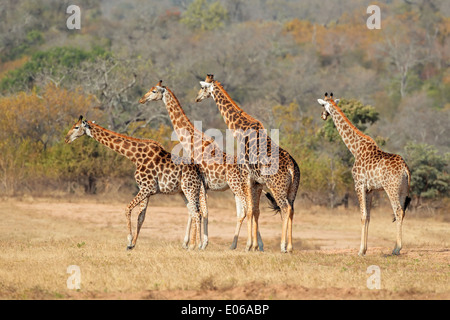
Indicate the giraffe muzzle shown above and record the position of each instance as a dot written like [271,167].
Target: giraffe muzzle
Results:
[143,100]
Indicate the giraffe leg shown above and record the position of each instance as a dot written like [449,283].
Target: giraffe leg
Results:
[187,234]
[140,220]
[191,186]
[256,237]
[204,215]
[251,196]
[142,194]
[292,193]
[397,197]
[241,208]
[364,198]
[193,231]
[399,221]
[289,228]
[286,214]
[188,226]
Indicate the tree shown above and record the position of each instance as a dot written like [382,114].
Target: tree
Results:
[31,123]
[204,15]
[430,178]
[405,47]
[361,116]
[56,64]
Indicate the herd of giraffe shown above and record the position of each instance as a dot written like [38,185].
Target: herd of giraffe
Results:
[247,175]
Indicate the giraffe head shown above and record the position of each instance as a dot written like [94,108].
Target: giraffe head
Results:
[80,128]
[207,88]
[155,93]
[327,104]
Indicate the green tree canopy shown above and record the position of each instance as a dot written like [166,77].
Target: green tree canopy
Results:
[359,114]
[429,171]
[52,61]
[205,15]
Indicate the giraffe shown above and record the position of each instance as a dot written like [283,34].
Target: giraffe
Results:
[220,172]
[281,177]
[373,170]
[156,172]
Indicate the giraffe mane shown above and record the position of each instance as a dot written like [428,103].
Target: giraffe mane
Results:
[92,124]
[242,112]
[358,132]
[177,102]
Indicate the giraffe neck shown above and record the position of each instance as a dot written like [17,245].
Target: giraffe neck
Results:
[353,138]
[115,141]
[183,127]
[192,139]
[258,148]
[234,117]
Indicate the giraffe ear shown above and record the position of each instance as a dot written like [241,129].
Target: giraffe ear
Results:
[321,102]
[337,101]
[205,84]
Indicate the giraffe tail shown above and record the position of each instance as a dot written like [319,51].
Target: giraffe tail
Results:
[272,203]
[407,199]
[407,202]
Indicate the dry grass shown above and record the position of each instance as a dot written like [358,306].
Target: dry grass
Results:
[40,238]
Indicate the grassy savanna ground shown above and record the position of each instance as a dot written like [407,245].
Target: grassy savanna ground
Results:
[40,238]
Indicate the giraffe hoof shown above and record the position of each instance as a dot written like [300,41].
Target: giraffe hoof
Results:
[396,252]
[261,246]
[130,247]
[234,243]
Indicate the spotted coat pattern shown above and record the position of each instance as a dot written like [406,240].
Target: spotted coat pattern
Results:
[220,173]
[282,180]
[373,170]
[156,172]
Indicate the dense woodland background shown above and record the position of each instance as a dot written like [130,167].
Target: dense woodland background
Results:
[275,58]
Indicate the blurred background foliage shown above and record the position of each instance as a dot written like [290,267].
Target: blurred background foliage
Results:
[275,58]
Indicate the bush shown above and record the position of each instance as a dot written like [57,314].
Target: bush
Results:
[55,60]
[430,178]
[205,16]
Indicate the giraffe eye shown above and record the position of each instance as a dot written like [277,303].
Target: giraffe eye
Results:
[76,127]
